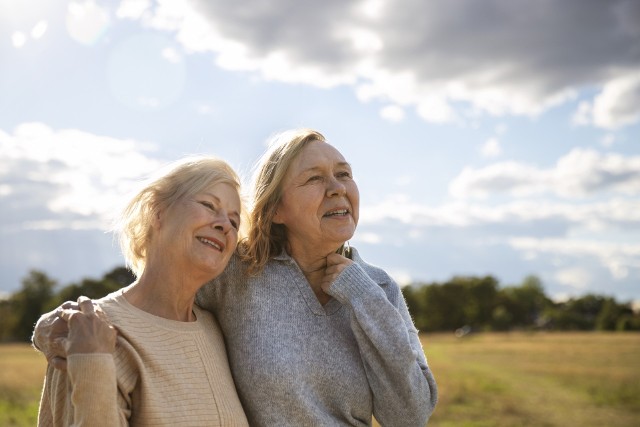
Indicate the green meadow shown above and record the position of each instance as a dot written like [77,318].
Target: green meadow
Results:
[511,379]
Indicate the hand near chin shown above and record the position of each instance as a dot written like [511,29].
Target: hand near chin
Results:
[336,263]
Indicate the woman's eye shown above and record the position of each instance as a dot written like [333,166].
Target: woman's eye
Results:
[234,224]
[344,174]
[314,178]
[208,205]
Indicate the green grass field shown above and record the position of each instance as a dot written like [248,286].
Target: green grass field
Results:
[542,379]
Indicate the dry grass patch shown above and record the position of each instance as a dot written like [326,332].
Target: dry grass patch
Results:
[492,380]
[21,379]
[542,379]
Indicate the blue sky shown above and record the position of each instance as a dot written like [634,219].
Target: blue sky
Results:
[498,137]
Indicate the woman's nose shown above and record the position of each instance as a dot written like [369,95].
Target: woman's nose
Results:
[336,188]
[222,222]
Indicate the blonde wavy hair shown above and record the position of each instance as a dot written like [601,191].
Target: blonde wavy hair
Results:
[183,178]
[266,239]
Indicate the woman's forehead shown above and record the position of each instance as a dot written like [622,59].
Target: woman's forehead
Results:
[317,154]
[223,192]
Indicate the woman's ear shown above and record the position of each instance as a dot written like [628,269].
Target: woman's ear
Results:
[277,218]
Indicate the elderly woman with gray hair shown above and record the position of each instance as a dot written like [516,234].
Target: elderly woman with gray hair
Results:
[315,335]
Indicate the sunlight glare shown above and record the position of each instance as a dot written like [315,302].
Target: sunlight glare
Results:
[86,22]
[18,39]
[39,29]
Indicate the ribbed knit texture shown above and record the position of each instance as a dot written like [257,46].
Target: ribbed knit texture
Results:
[298,363]
[163,373]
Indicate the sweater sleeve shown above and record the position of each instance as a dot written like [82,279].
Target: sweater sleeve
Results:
[94,391]
[403,387]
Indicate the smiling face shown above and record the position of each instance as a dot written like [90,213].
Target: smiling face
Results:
[200,232]
[319,201]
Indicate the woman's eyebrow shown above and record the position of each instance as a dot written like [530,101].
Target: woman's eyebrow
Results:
[213,196]
[319,168]
[218,201]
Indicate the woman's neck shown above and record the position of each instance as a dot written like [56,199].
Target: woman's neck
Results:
[164,295]
[313,264]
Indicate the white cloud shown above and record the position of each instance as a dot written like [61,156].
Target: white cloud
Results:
[66,178]
[372,9]
[619,102]
[436,110]
[620,214]
[491,148]
[505,177]
[594,245]
[171,55]
[457,55]
[132,9]
[591,244]
[577,278]
[617,105]
[392,113]
[582,115]
[368,238]
[618,258]
[579,173]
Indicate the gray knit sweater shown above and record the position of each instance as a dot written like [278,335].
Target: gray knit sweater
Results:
[298,363]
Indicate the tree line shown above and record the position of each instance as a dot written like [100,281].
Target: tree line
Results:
[462,304]
[466,304]
[40,293]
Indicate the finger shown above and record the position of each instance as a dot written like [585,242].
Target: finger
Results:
[69,305]
[101,314]
[66,315]
[86,305]
[334,258]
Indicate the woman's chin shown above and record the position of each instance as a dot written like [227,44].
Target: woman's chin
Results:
[341,236]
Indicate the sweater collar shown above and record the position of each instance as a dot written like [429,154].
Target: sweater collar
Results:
[284,256]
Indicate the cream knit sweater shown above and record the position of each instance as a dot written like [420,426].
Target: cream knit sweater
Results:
[163,373]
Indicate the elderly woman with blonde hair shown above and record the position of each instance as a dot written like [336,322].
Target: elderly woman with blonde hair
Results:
[169,366]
